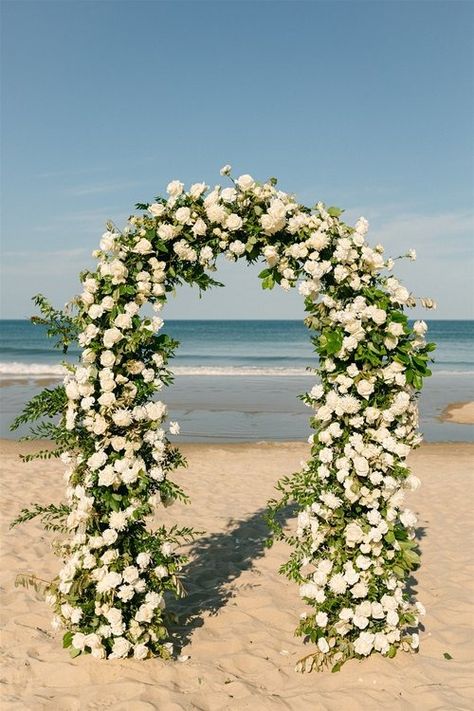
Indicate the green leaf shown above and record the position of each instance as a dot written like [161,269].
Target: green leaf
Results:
[74,652]
[268,282]
[334,211]
[331,341]
[67,639]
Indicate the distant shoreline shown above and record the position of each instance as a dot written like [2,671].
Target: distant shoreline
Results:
[461,413]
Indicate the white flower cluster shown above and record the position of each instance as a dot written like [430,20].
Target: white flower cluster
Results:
[354,546]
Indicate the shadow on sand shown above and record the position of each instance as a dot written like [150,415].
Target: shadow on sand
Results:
[216,561]
[219,559]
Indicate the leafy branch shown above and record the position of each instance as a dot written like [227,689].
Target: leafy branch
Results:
[28,580]
[59,324]
[52,516]
[48,403]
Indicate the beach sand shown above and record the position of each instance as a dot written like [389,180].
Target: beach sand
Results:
[241,646]
[462,413]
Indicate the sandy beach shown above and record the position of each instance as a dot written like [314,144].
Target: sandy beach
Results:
[462,413]
[240,646]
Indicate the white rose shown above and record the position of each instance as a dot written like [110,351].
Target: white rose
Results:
[174,428]
[321,619]
[109,582]
[197,189]
[108,303]
[183,214]
[420,328]
[109,536]
[363,563]
[114,616]
[360,621]
[377,611]
[155,411]
[233,222]
[108,241]
[395,329]
[408,518]
[199,228]
[144,613]
[111,336]
[175,188]
[88,356]
[229,194]
[166,231]
[420,608]
[365,388]
[122,418]
[245,182]
[123,321]
[72,390]
[392,618]
[96,311]
[237,247]
[107,359]
[381,643]
[353,534]
[140,651]
[323,645]
[79,641]
[309,590]
[120,648]
[156,209]
[143,246]
[337,584]
[118,271]
[143,560]
[107,477]
[99,425]
[361,465]
[379,316]
[364,643]
[90,285]
[216,213]
[359,590]
[96,460]
[130,574]
[167,548]
[271,255]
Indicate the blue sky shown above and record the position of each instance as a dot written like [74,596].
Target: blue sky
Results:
[365,105]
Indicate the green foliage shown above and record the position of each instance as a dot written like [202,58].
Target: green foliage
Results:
[47,403]
[59,325]
[41,454]
[52,516]
[330,341]
[28,580]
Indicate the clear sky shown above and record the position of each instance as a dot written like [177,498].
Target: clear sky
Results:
[365,105]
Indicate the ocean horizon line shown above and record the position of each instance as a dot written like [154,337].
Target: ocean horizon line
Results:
[256,320]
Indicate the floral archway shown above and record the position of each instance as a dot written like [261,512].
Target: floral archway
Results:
[353,546]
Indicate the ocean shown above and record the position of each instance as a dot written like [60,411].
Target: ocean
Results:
[239,380]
